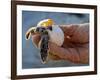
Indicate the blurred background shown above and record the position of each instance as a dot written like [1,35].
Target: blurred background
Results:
[30,54]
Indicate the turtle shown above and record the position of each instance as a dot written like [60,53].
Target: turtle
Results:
[48,32]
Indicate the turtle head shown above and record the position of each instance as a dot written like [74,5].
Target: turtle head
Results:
[46,23]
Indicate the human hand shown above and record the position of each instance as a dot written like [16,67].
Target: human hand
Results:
[75,47]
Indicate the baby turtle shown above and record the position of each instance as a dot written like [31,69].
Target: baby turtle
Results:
[48,32]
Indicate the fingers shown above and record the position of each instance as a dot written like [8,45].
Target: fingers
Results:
[74,32]
[81,34]
[69,54]
[35,39]
[52,54]
[73,54]
[53,57]
[54,49]
[69,29]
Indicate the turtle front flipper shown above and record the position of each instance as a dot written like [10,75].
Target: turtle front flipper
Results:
[44,46]
[29,32]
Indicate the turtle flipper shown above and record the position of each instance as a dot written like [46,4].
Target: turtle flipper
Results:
[29,32]
[44,46]
[44,55]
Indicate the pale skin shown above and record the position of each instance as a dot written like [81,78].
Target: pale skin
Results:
[75,47]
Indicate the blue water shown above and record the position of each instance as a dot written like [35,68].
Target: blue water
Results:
[30,54]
